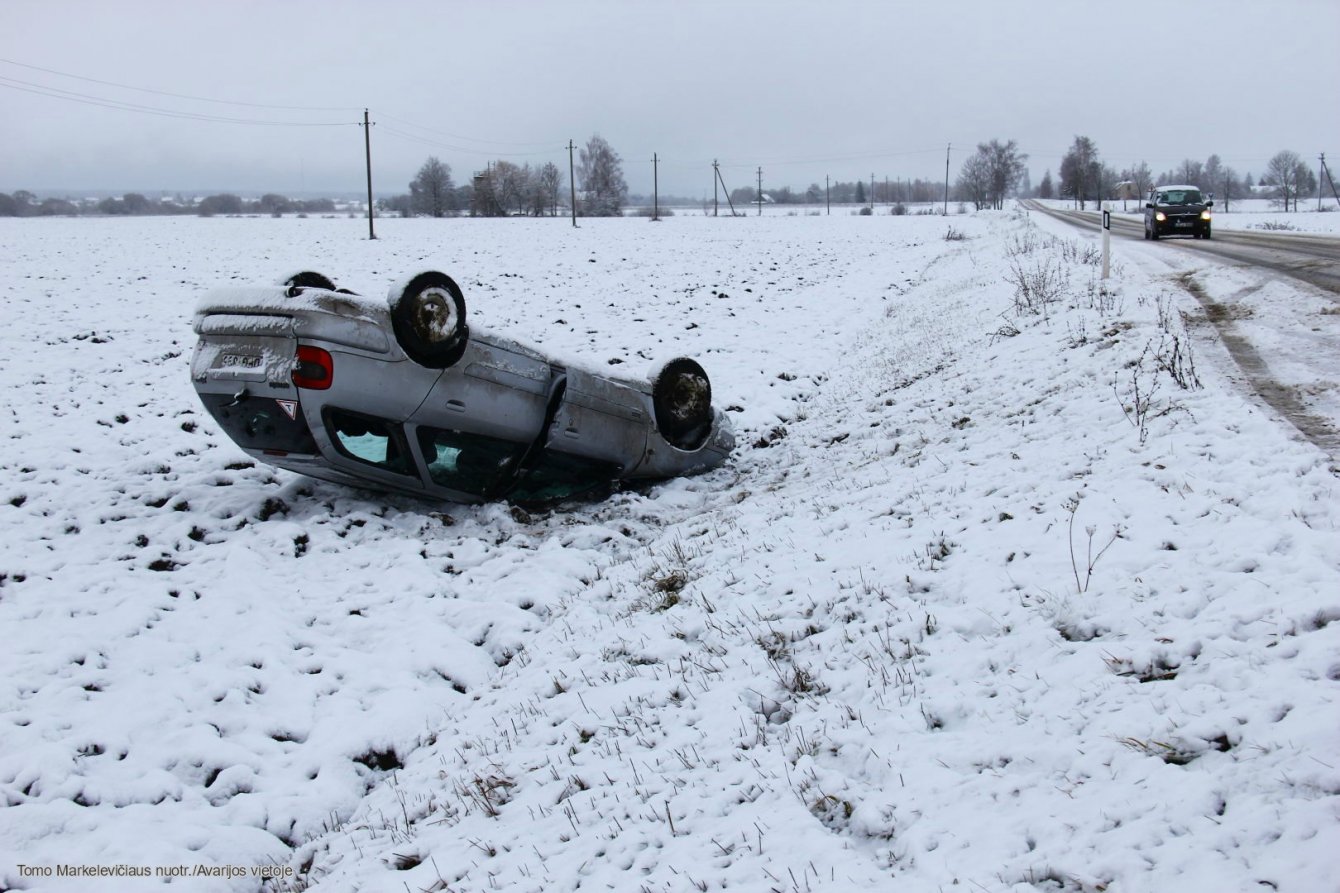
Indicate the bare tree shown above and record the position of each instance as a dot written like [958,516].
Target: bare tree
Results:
[431,191]
[1004,166]
[1140,178]
[548,187]
[1213,176]
[1191,172]
[974,181]
[1081,171]
[509,186]
[1286,174]
[600,170]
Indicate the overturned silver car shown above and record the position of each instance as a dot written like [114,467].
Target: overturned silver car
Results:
[402,395]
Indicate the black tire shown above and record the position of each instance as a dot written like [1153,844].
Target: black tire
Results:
[1146,234]
[681,396]
[307,279]
[1207,233]
[1154,234]
[428,316]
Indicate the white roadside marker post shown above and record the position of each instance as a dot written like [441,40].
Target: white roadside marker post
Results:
[1107,236]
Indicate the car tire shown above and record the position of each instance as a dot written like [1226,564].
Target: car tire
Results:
[307,279]
[1207,233]
[681,396]
[428,316]
[1154,234]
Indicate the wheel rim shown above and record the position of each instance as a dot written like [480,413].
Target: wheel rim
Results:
[435,317]
[688,397]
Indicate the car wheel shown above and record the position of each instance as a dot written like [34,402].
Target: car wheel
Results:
[1207,232]
[1154,233]
[1146,233]
[307,279]
[428,316]
[681,396]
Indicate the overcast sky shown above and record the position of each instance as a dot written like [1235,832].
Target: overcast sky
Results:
[805,89]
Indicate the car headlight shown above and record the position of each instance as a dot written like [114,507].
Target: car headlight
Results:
[1160,216]
[1205,215]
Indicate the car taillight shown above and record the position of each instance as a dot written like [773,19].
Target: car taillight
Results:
[313,368]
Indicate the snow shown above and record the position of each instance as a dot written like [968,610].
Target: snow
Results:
[968,607]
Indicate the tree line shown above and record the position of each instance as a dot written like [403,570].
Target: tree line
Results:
[505,189]
[133,204]
[1084,177]
[996,171]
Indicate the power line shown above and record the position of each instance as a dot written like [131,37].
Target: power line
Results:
[829,158]
[86,99]
[256,105]
[457,136]
[441,145]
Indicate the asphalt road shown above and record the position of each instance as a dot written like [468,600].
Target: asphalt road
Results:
[1312,258]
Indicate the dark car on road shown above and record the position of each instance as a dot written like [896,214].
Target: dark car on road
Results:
[401,395]
[1177,211]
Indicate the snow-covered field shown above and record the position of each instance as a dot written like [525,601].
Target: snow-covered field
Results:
[985,600]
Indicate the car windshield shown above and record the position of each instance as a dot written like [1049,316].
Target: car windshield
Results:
[1180,197]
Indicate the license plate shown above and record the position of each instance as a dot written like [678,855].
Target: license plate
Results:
[237,359]
[1183,223]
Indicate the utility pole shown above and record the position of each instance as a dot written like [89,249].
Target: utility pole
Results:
[1321,172]
[828,199]
[572,183]
[947,148]
[655,187]
[872,192]
[886,191]
[367,147]
[760,192]
[1329,179]
[716,175]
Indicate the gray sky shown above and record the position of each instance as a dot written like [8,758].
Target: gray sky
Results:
[805,89]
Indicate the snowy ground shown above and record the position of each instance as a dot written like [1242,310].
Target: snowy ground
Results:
[985,600]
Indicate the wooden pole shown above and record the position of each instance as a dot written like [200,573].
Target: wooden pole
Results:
[947,148]
[572,183]
[367,148]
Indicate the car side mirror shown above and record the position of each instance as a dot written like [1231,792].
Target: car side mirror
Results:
[1149,204]
[1210,203]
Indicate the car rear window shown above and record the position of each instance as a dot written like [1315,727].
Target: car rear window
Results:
[373,441]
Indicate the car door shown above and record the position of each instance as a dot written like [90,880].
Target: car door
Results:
[601,419]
